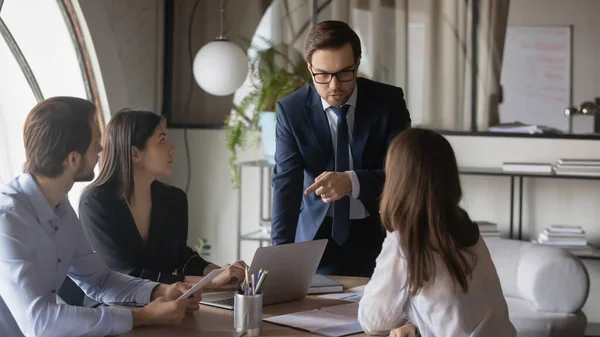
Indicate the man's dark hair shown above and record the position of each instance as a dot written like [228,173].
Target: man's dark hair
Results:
[54,128]
[331,35]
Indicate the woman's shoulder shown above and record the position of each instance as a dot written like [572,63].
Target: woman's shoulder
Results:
[391,244]
[392,238]
[168,191]
[103,193]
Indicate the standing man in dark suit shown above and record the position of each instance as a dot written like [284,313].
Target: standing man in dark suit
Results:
[332,137]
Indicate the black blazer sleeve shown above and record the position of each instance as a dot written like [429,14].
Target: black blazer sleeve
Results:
[287,182]
[372,181]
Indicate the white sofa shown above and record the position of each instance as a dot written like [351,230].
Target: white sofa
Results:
[545,287]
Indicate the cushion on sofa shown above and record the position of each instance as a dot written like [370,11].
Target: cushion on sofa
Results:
[551,278]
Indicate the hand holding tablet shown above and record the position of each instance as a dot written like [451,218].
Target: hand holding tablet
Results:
[206,280]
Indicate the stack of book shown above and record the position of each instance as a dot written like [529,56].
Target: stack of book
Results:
[571,238]
[578,167]
[488,229]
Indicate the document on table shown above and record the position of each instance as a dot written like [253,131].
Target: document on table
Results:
[335,321]
[204,281]
[351,295]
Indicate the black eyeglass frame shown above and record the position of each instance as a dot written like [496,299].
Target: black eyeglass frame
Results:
[331,75]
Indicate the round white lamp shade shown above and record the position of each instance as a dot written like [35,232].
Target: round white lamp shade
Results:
[220,67]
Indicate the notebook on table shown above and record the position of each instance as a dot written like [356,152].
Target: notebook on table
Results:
[323,285]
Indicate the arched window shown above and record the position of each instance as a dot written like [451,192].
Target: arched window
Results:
[42,54]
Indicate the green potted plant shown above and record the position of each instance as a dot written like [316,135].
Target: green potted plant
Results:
[202,247]
[274,75]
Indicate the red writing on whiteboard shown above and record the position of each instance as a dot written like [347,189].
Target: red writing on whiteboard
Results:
[547,46]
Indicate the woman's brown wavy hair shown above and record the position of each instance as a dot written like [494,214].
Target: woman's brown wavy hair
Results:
[420,202]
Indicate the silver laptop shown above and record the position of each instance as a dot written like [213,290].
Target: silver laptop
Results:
[291,269]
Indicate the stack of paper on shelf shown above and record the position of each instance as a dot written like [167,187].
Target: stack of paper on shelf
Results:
[488,229]
[578,167]
[518,127]
[571,238]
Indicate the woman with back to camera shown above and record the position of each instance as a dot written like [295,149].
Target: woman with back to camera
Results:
[434,275]
[138,224]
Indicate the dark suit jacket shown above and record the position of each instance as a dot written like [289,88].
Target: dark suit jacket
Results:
[304,150]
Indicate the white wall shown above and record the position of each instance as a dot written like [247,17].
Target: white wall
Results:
[212,201]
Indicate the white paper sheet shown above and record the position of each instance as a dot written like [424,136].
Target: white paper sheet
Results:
[351,295]
[205,280]
[357,290]
[335,321]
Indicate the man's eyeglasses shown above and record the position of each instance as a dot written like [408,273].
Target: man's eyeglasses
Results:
[342,76]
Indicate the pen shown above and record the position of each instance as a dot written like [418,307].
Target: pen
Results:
[261,281]
[253,285]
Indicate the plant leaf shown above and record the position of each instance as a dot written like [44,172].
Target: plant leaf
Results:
[273,76]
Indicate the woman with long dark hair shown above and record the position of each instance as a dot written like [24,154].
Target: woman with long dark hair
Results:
[138,224]
[434,270]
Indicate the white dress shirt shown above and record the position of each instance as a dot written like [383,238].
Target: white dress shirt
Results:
[38,247]
[437,310]
[357,209]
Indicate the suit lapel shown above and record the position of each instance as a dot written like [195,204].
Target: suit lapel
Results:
[320,128]
[362,126]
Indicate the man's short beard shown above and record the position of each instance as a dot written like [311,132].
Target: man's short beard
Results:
[81,175]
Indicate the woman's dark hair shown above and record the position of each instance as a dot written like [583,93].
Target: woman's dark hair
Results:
[126,129]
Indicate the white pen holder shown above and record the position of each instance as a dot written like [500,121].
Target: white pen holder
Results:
[247,314]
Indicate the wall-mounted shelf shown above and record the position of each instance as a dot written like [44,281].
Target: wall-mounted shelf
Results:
[262,232]
[493,171]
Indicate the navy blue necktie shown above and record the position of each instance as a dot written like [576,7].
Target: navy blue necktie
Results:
[341,207]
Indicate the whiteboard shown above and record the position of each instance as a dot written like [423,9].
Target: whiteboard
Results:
[536,75]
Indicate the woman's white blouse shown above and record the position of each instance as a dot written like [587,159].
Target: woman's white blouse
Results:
[437,310]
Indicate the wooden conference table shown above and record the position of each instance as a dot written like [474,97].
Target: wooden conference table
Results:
[211,321]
